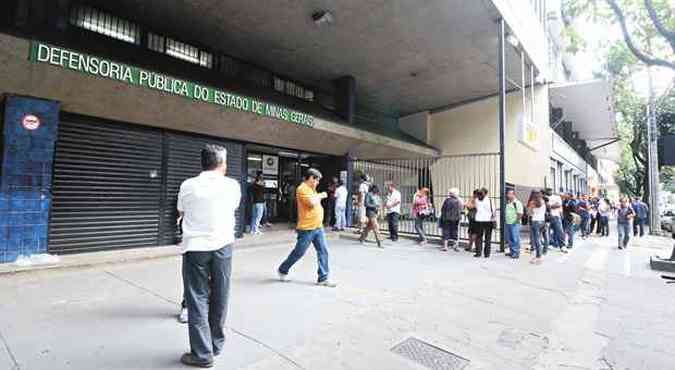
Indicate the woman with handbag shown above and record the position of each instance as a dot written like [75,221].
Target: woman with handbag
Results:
[473,226]
[373,202]
[420,211]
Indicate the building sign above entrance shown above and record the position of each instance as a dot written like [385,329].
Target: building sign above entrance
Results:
[72,60]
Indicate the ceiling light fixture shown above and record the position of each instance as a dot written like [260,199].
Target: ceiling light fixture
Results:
[322,17]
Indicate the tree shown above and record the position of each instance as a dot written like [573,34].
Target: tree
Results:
[648,26]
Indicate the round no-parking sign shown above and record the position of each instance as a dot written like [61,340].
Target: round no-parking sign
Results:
[30,122]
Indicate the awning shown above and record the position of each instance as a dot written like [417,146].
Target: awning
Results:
[588,105]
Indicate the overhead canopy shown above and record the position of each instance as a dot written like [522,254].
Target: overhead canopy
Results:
[588,105]
[406,56]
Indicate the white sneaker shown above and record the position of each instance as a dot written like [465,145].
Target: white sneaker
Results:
[183,316]
[283,277]
[327,283]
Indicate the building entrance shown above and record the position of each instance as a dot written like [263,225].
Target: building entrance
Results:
[280,172]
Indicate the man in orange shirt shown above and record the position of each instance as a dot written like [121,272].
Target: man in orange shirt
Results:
[309,229]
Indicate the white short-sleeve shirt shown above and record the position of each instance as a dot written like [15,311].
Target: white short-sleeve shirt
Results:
[341,197]
[208,202]
[394,198]
[484,210]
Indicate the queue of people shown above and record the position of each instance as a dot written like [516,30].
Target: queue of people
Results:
[207,204]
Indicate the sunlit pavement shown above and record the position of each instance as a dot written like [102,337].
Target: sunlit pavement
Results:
[594,308]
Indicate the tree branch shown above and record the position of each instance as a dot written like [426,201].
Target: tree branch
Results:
[668,34]
[649,60]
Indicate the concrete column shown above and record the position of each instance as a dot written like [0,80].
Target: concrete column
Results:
[29,136]
[345,97]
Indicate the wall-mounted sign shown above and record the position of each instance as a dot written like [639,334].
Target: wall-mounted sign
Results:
[72,60]
[30,122]
[270,165]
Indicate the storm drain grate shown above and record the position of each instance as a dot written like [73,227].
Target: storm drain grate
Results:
[429,355]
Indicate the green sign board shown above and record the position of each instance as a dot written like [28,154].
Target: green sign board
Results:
[135,76]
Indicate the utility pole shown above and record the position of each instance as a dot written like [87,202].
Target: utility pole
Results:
[501,76]
[653,161]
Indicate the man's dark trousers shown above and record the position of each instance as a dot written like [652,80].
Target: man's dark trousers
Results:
[206,280]
[638,225]
[392,219]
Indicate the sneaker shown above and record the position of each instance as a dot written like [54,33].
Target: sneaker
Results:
[183,316]
[327,284]
[620,247]
[190,360]
[563,250]
[283,277]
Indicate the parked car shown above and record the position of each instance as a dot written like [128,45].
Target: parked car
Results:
[667,221]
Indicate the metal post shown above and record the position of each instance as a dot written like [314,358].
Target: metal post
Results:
[502,125]
[653,161]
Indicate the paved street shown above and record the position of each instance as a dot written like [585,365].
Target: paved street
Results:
[595,308]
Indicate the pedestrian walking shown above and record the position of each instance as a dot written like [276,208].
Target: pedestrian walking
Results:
[421,211]
[309,229]
[330,201]
[556,209]
[641,211]
[485,223]
[513,215]
[624,217]
[570,218]
[536,208]
[207,205]
[341,195]
[364,187]
[258,201]
[595,217]
[451,214]
[393,206]
[473,226]
[373,204]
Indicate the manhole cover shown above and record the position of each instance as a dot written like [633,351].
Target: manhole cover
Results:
[429,355]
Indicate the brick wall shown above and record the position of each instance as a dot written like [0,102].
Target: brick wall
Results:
[26,176]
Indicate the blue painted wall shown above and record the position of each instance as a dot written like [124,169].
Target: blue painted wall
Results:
[26,176]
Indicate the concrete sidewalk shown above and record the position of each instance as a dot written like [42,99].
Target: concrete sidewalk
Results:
[594,308]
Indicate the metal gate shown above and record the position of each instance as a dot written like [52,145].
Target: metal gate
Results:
[106,187]
[439,174]
[182,161]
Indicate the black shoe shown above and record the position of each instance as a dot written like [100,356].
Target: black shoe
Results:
[477,255]
[487,256]
[190,360]
[515,257]
[508,255]
[620,247]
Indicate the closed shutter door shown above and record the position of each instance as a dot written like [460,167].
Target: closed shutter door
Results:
[184,162]
[106,187]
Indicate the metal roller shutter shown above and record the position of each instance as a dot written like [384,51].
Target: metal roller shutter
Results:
[106,187]
[183,161]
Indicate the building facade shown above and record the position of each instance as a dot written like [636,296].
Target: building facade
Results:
[106,105]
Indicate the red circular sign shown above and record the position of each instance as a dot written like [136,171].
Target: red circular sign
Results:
[31,122]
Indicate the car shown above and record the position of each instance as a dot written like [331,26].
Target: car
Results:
[667,221]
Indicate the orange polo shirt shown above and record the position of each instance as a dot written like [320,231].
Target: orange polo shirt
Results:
[309,218]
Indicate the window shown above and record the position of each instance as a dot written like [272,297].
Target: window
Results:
[180,50]
[292,89]
[106,24]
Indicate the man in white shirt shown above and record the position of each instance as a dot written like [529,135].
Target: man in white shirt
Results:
[341,195]
[393,206]
[207,204]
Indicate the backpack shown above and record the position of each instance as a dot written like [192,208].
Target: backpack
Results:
[451,210]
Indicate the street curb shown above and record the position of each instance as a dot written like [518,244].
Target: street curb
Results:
[114,257]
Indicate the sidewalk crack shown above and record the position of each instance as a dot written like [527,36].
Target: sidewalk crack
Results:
[15,363]
[137,286]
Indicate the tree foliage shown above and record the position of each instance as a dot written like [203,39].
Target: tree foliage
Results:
[647,32]
[648,26]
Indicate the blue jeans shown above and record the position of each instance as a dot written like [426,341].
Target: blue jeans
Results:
[585,219]
[305,238]
[513,234]
[535,236]
[558,234]
[545,232]
[624,231]
[256,216]
[569,229]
